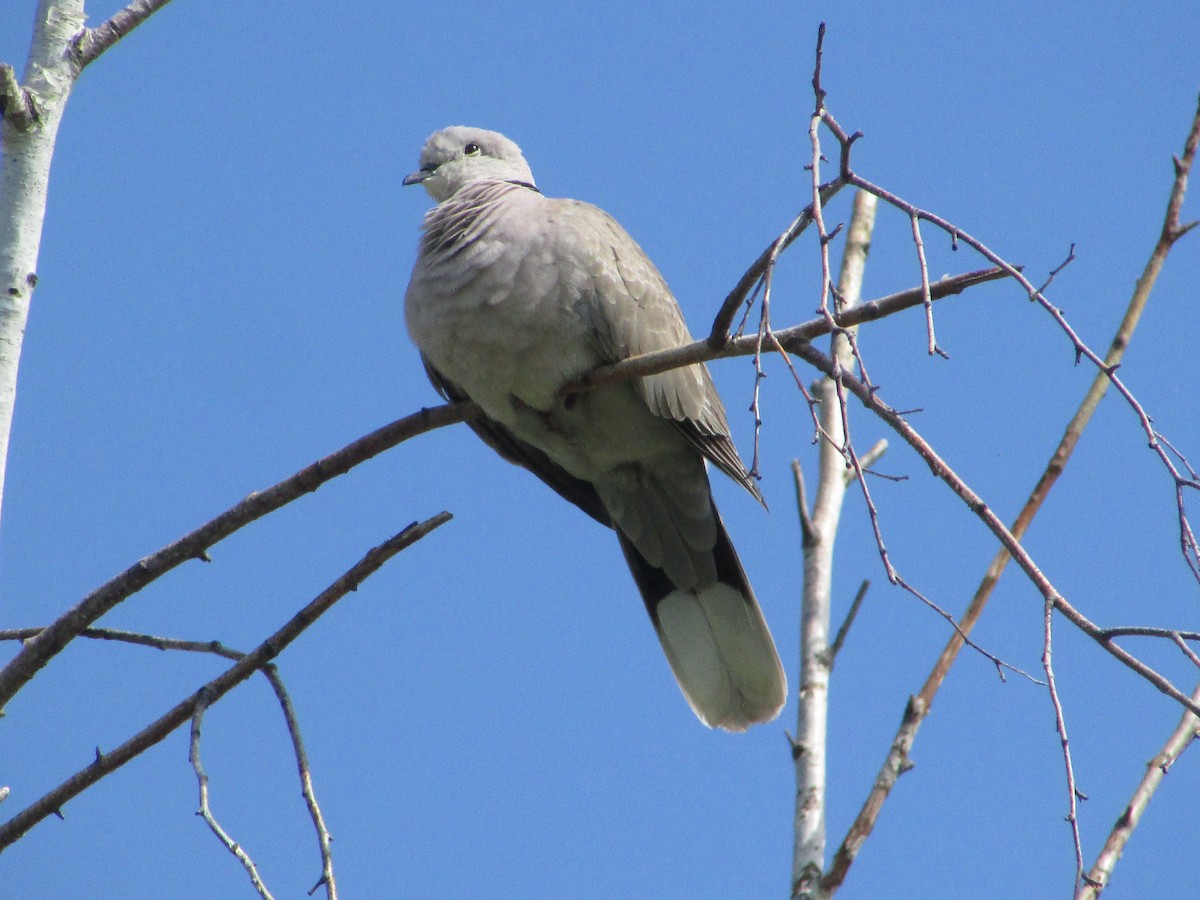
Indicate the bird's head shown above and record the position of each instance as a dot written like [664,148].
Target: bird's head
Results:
[457,156]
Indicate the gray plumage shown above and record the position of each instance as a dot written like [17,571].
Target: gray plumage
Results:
[514,295]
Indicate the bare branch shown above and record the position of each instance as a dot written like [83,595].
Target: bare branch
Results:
[17,105]
[1181,738]
[206,813]
[810,750]
[1146,631]
[938,466]
[869,459]
[194,545]
[132,637]
[928,301]
[808,534]
[1187,651]
[285,702]
[106,763]
[789,338]
[840,639]
[895,765]
[91,42]
[306,786]
[1060,724]
[1170,233]
[1188,542]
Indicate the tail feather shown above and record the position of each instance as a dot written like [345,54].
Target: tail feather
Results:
[715,639]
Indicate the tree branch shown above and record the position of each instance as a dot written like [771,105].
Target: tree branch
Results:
[1185,732]
[17,106]
[106,763]
[205,812]
[324,838]
[789,338]
[1171,232]
[941,470]
[810,750]
[844,630]
[32,114]
[51,640]
[91,42]
[285,702]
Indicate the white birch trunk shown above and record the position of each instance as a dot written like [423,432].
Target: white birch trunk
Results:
[49,76]
[809,746]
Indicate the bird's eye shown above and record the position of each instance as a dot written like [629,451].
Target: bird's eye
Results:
[471,150]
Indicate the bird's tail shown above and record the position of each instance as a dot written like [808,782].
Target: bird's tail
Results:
[715,638]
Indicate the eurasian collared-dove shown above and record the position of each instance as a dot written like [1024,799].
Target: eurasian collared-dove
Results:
[515,295]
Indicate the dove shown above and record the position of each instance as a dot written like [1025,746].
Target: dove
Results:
[514,296]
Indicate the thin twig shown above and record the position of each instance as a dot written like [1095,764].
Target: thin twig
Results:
[1171,232]
[851,615]
[324,838]
[928,301]
[1187,651]
[808,533]
[1188,542]
[1060,724]
[869,459]
[790,337]
[270,673]
[106,763]
[810,751]
[205,812]
[1147,631]
[950,478]
[132,637]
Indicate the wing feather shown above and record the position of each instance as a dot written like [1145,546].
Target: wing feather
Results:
[635,312]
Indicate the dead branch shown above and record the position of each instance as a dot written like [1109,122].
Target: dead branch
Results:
[107,763]
[1170,232]
[194,545]
[289,714]
[1181,738]
[790,338]
[205,811]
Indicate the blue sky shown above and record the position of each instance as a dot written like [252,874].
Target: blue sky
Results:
[221,277]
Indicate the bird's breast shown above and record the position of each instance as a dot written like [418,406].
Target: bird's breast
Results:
[501,324]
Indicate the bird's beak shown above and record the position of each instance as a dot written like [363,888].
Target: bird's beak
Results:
[417,177]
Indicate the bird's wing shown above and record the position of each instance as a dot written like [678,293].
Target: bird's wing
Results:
[634,312]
